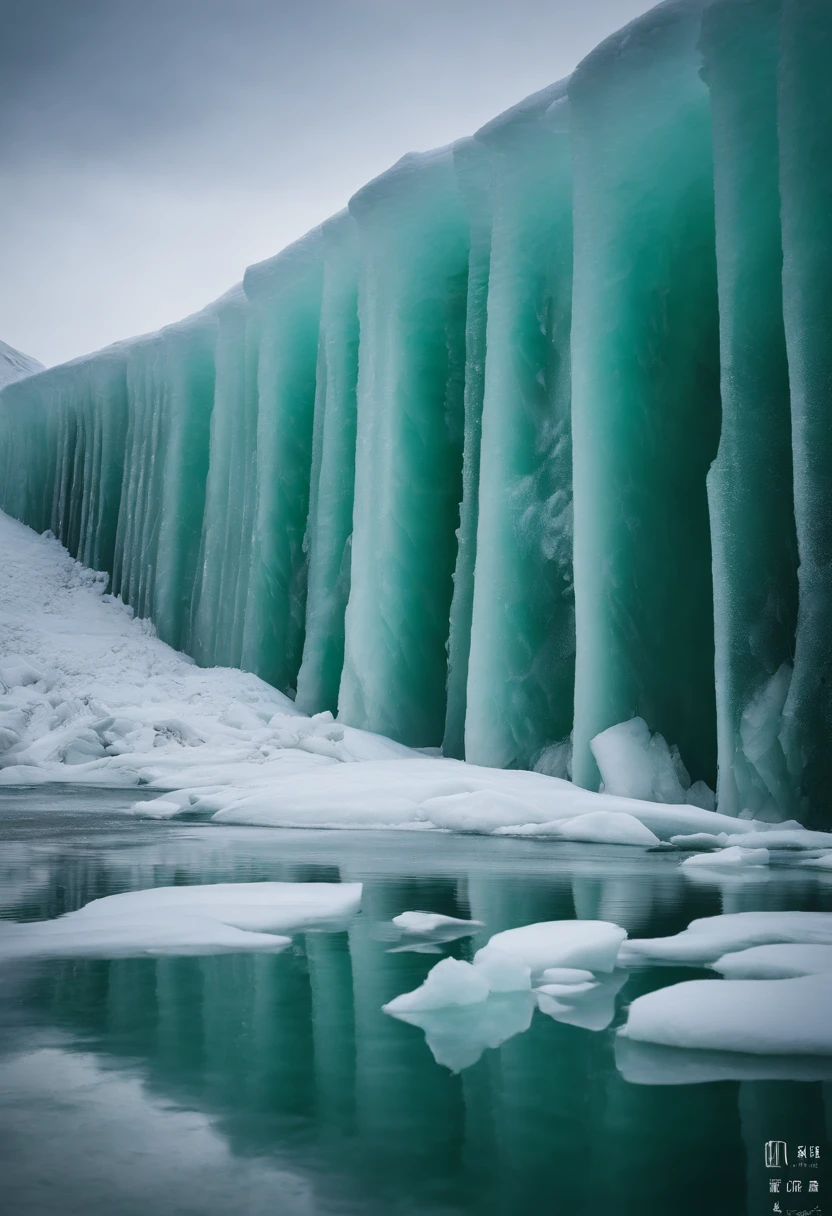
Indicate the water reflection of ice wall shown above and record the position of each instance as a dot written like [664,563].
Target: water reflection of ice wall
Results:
[292,1054]
[356,474]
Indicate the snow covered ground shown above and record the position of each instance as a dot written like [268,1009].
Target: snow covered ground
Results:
[89,695]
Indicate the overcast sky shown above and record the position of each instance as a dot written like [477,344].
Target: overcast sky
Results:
[151,149]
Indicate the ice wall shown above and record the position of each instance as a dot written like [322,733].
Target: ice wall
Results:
[532,439]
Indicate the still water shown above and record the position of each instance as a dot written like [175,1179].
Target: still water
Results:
[275,1084]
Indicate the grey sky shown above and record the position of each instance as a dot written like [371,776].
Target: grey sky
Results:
[151,149]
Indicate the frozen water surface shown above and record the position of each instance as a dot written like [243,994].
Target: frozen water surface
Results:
[275,1083]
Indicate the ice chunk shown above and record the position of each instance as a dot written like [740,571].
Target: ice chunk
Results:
[566,975]
[707,939]
[733,856]
[608,827]
[774,962]
[589,944]
[458,1035]
[504,972]
[824,862]
[433,922]
[623,758]
[762,1016]
[591,1006]
[185,920]
[636,765]
[451,982]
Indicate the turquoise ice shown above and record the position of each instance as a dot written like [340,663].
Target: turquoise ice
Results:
[531,440]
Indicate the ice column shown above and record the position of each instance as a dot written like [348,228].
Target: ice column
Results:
[188,393]
[805,117]
[329,529]
[285,295]
[645,389]
[230,494]
[750,483]
[521,666]
[472,164]
[414,259]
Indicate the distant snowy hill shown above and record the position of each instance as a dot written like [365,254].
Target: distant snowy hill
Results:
[14,365]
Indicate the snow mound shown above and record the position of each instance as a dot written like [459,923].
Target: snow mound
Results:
[211,919]
[774,962]
[773,1017]
[607,827]
[706,940]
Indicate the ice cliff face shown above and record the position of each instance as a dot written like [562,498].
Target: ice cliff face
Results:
[533,438]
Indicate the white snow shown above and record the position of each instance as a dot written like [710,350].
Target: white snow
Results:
[89,695]
[706,940]
[774,962]
[788,1016]
[588,944]
[208,919]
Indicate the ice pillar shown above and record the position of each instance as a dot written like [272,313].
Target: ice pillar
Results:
[645,388]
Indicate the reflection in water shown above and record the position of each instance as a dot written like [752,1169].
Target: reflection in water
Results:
[277,1079]
[593,1009]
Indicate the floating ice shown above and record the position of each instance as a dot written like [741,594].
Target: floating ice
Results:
[775,1017]
[566,975]
[606,827]
[707,939]
[213,919]
[504,972]
[589,944]
[450,982]
[434,922]
[591,1006]
[774,962]
[730,857]
[458,1035]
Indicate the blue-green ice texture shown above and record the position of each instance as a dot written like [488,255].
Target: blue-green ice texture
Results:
[531,440]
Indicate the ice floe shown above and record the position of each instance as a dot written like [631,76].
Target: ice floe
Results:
[709,938]
[770,1017]
[210,919]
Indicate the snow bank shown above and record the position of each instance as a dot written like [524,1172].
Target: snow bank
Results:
[706,940]
[89,695]
[758,1016]
[211,919]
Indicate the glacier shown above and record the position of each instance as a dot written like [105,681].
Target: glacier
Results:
[531,440]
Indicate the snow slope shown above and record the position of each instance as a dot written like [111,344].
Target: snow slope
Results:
[14,365]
